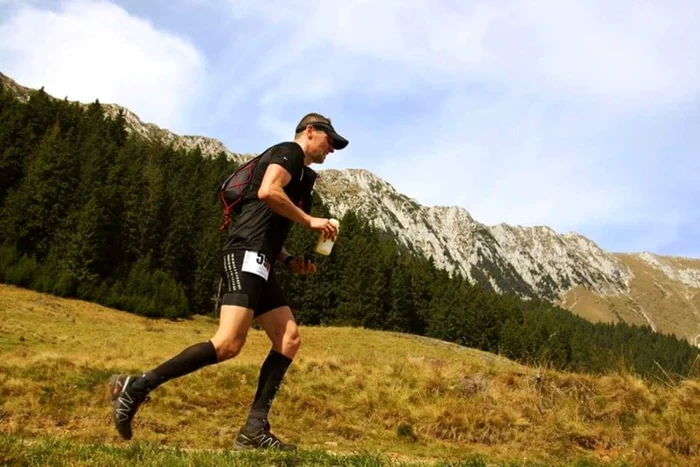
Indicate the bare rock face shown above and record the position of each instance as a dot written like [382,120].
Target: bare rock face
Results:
[677,268]
[528,261]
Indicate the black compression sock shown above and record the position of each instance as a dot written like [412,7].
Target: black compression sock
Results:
[271,375]
[191,359]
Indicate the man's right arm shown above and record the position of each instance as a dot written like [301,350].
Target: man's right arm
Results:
[272,193]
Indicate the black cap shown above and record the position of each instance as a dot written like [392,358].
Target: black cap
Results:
[338,141]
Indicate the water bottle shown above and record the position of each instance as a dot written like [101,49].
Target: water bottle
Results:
[325,245]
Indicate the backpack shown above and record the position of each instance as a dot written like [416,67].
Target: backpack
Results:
[235,188]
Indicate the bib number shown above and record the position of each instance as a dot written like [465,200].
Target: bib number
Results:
[256,263]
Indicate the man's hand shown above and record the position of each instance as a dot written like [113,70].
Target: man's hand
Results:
[324,226]
[302,265]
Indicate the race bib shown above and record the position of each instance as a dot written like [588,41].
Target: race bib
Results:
[255,262]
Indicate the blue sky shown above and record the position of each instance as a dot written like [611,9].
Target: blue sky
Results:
[580,115]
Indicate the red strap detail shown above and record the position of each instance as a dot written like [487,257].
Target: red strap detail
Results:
[227,210]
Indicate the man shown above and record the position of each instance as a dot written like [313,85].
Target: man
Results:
[281,186]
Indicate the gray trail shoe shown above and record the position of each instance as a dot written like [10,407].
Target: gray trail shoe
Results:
[263,439]
[125,402]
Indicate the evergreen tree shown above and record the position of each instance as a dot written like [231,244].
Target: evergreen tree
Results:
[37,205]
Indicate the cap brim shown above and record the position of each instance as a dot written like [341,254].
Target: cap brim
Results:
[338,141]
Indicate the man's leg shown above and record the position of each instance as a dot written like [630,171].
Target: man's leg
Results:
[241,294]
[281,328]
[228,341]
[129,392]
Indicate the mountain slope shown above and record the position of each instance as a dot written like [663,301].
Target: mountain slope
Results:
[568,269]
[664,294]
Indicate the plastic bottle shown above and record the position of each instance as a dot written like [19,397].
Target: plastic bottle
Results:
[325,245]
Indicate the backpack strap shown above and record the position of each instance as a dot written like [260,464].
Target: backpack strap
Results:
[245,192]
[306,201]
[228,206]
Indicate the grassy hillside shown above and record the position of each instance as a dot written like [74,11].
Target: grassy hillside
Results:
[671,306]
[350,390]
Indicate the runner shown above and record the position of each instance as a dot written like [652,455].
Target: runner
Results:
[283,182]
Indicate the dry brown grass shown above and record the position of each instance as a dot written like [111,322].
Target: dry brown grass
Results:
[349,389]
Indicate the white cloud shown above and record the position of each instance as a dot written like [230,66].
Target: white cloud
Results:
[621,51]
[89,50]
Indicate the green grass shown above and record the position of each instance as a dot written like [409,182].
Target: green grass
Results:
[14,451]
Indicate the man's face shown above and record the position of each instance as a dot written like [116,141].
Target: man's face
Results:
[320,145]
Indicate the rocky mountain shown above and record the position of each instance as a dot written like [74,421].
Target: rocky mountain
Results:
[528,261]
[19,91]
[569,269]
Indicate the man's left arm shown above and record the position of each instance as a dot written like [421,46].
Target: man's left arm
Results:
[297,264]
[284,254]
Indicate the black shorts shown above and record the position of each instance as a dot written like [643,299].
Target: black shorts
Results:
[247,289]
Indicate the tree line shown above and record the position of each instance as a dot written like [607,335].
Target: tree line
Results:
[90,211]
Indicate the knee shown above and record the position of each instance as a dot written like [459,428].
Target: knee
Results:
[228,348]
[292,341]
